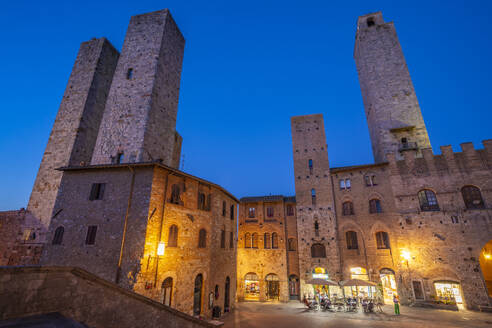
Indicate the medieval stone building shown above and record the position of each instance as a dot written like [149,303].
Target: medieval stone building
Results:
[417,223]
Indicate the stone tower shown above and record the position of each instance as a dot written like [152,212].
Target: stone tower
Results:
[392,109]
[316,221]
[76,126]
[139,123]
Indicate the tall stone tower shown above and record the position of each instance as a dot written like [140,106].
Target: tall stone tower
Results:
[316,221]
[392,109]
[76,126]
[139,123]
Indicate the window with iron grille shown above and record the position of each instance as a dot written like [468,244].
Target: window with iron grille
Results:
[375,206]
[472,197]
[347,208]
[428,200]
[90,239]
[97,191]
[351,237]
[382,240]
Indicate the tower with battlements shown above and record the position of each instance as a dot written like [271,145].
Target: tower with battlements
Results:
[392,110]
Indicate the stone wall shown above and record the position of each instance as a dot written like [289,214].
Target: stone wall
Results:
[390,102]
[83,297]
[74,132]
[140,116]
[18,232]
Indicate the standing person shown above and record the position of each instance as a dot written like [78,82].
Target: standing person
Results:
[397,304]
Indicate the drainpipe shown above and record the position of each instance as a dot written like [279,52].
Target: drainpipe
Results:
[118,270]
[160,229]
[336,227]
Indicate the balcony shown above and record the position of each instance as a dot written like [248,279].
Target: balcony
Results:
[408,146]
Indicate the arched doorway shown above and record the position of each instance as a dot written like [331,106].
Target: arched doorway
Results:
[273,287]
[360,291]
[486,265]
[167,291]
[197,295]
[293,287]
[226,294]
[388,282]
[251,287]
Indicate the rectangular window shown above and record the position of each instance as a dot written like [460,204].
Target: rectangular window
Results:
[129,74]
[345,184]
[119,158]
[232,212]
[222,239]
[97,191]
[90,239]
[342,184]
[351,237]
[231,239]
[251,212]
[270,212]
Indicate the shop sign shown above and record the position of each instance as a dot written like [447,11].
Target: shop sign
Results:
[320,276]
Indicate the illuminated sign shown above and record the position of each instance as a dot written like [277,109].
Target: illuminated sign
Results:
[320,276]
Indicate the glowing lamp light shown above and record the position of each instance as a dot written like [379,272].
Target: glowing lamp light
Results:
[161,248]
[487,256]
[406,255]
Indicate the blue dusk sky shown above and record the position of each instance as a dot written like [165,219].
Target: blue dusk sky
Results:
[248,67]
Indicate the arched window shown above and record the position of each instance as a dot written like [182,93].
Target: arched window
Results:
[351,237]
[224,205]
[254,240]
[58,238]
[382,240]
[222,238]
[375,206]
[291,244]
[202,238]
[172,240]
[167,289]
[197,295]
[267,241]
[274,240]
[318,250]
[175,195]
[247,240]
[428,200]
[472,197]
[313,196]
[348,208]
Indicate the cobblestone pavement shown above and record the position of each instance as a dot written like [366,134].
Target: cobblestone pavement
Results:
[294,314]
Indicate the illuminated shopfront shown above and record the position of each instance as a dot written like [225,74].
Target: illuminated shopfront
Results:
[251,287]
[330,291]
[389,284]
[449,292]
[359,291]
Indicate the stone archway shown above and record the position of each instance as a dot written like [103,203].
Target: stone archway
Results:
[486,265]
